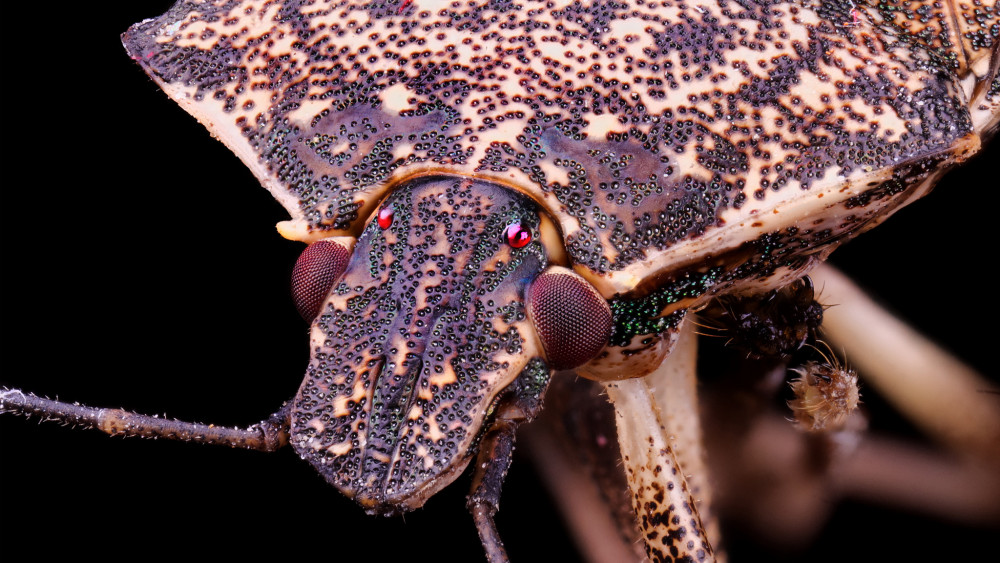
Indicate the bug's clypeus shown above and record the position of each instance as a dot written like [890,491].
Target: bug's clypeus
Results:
[141,270]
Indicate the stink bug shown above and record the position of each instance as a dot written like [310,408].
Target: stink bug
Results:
[153,342]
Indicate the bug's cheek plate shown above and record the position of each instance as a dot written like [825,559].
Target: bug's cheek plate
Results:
[572,319]
[319,266]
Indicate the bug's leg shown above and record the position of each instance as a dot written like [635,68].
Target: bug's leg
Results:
[782,484]
[937,392]
[660,437]
[492,464]
[267,435]
[496,448]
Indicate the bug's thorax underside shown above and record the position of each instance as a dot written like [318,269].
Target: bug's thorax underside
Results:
[424,330]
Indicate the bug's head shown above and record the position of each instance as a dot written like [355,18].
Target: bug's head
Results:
[443,301]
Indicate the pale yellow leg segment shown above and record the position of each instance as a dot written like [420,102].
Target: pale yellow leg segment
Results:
[660,438]
[946,398]
[674,386]
[919,479]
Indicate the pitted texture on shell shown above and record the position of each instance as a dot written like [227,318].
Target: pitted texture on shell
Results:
[425,329]
[637,124]
[960,32]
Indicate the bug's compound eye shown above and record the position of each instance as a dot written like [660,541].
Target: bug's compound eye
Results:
[318,267]
[517,235]
[385,216]
[571,317]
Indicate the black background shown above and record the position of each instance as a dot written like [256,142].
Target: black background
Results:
[141,269]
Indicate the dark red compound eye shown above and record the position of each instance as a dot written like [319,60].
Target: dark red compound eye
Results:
[385,217]
[319,266]
[517,235]
[573,320]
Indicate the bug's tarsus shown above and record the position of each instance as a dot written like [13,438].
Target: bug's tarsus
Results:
[495,454]
[483,514]
[896,360]
[267,435]
[826,394]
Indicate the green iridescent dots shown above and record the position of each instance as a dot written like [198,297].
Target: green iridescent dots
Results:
[642,315]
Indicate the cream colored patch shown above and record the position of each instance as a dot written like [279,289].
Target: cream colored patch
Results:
[307,110]
[402,151]
[442,379]
[552,241]
[687,165]
[600,126]
[296,229]
[396,98]
[550,47]
[415,412]
[340,403]
[315,444]
[340,449]
[554,174]
[641,360]
[506,132]
[313,8]
[424,454]
[631,28]
[435,433]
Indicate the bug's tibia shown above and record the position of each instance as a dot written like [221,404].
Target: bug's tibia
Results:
[267,435]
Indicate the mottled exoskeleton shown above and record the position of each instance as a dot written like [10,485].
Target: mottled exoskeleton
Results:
[657,154]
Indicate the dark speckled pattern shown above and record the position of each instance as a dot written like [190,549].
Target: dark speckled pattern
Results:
[683,148]
[637,124]
[426,328]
